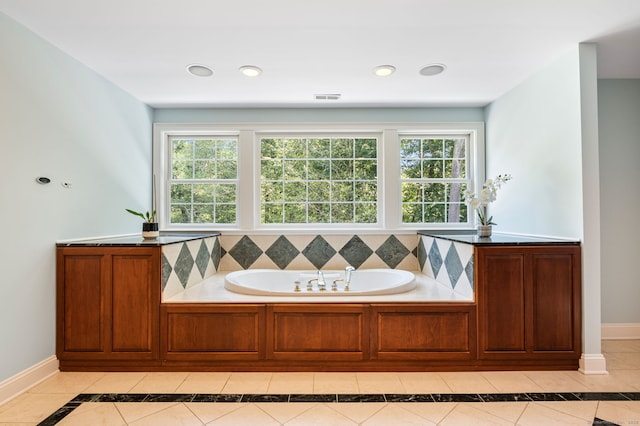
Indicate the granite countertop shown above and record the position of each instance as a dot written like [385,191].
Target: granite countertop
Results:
[136,240]
[470,237]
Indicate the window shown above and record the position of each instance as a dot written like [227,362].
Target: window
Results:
[262,177]
[433,178]
[203,182]
[318,180]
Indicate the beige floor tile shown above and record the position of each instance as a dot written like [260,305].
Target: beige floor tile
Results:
[203,383]
[159,383]
[94,414]
[321,415]
[609,346]
[67,382]
[560,414]
[335,383]
[428,410]
[209,411]
[291,383]
[463,382]
[30,407]
[284,412]
[615,381]
[511,381]
[465,414]
[132,411]
[423,383]
[509,411]
[623,360]
[557,381]
[393,414]
[358,412]
[619,412]
[247,383]
[115,383]
[177,414]
[246,415]
[379,383]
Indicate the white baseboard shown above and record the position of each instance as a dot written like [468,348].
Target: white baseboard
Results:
[620,331]
[591,364]
[25,380]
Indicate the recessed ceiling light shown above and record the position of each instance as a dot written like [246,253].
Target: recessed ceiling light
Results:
[433,69]
[200,70]
[250,70]
[384,70]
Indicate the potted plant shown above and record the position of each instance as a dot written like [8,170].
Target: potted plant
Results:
[149,226]
[480,202]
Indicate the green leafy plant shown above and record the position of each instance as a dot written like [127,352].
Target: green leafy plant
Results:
[147,217]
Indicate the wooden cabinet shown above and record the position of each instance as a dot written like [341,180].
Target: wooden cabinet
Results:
[107,304]
[423,331]
[212,332]
[529,302]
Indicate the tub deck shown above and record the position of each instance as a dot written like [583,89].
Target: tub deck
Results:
[212,290]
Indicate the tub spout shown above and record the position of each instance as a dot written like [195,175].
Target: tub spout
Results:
[347,276]
[322,284]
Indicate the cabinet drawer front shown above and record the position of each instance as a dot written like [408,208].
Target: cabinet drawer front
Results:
[329,332]
[213,332]
[430,332]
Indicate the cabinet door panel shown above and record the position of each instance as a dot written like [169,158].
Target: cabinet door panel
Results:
[503,302]
[553,310]
[132,288]
[83,304]
[331,332]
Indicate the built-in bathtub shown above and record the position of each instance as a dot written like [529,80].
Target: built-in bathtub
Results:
[274,282]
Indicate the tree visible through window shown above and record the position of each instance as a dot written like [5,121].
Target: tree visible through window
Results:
[433,179]
[318,180]
[203,184]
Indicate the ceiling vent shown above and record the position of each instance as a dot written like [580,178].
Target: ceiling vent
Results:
[327,96]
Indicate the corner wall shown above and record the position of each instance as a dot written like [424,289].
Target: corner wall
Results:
[619,134]
[61,120]
[545,134]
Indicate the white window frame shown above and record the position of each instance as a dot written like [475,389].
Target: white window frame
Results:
[248,197]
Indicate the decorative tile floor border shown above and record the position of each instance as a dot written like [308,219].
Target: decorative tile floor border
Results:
[68,408]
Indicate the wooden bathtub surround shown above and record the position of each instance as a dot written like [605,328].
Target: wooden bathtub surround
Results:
[526,316]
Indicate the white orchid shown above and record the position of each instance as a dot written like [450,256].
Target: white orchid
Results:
[487,194]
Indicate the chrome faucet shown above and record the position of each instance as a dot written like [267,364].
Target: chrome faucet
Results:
[322,284]
[347,276]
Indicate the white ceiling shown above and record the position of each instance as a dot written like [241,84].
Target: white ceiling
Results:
[330,46]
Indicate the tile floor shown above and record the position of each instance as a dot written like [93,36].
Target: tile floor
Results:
[535,398]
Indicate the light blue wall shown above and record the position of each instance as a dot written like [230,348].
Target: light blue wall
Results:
[61,120]
[619,120]
[533,133]
[309,115]
[545,133]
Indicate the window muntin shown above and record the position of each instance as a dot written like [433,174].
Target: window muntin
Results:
[203,180]
[318,179]
[434,171]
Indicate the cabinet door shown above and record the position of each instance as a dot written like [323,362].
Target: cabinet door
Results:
[556,304]
[135,296]
[82,305]
[108,303]
[423,332]
[528,302]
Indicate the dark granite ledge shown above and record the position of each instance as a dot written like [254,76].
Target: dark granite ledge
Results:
[137,240]
[470,237]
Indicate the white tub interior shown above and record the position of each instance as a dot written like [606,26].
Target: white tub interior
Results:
[274,282]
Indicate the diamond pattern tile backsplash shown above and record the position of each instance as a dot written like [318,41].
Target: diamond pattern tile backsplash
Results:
[318,251]
[450,263]
[186,264]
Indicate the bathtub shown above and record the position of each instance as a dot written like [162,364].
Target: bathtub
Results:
[274,282]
